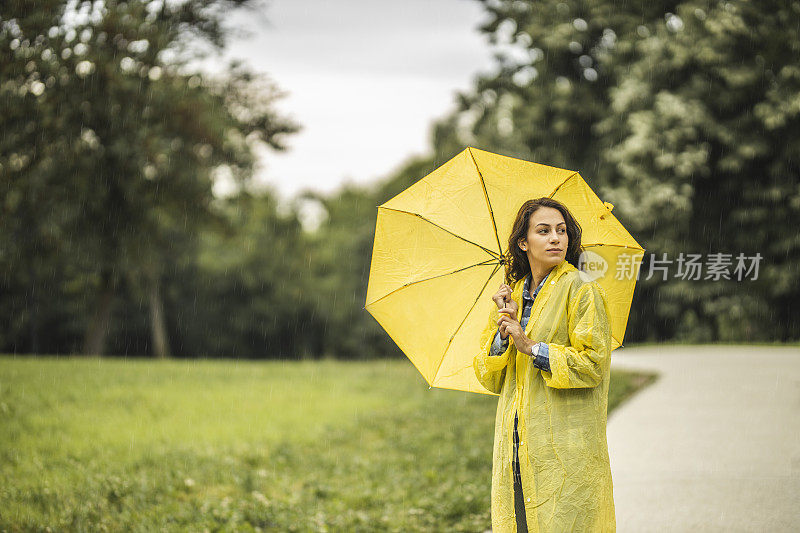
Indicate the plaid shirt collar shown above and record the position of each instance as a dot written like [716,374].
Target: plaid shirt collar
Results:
[526,288]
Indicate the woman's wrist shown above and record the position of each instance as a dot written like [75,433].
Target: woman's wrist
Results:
[525,346]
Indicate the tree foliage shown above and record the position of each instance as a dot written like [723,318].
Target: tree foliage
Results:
[682,114]
[111,144]
[703,149]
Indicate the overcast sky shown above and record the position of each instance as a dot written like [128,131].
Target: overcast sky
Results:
[364,78]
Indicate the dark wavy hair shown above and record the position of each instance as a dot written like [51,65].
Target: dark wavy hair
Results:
[517,266]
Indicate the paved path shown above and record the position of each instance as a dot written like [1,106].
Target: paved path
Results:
[713,444]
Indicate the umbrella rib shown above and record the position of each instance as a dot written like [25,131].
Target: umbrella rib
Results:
[614,245]
[453,336]
[598,244]
[484,263]
[488,203]
[493,254]
[562,183]
[616,339]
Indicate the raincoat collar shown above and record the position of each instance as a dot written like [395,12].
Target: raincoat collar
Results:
[560,269]
[544,291]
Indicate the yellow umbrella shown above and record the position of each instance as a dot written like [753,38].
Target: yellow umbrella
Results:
[439,248]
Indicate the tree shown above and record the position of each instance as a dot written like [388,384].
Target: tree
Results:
[557,64]
[243,293]
[550,86]
[111,141]
[680,114]
[705,151]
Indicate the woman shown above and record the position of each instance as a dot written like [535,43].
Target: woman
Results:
[546,352]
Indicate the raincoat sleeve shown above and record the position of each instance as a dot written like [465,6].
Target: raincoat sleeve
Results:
[499,344]
[491,369]
[586,360]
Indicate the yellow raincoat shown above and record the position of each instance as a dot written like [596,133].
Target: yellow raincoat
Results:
[563,454]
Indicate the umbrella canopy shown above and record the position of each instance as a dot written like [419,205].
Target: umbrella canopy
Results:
[439,249]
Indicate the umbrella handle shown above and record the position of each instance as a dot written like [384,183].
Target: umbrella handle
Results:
[499,306]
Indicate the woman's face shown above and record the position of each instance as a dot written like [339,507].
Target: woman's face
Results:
[547,240]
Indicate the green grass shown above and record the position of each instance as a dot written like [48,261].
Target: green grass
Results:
[141,445]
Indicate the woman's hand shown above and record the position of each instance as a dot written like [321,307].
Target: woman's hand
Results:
[510,326]
[505,304]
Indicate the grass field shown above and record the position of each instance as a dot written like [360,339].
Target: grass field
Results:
[142,445]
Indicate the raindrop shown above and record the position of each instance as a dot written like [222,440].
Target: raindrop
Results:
[643,32]
[575,47]
[580,24]
[590,74]
[585,61]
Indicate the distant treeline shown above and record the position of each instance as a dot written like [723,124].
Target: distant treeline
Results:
[684,115]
